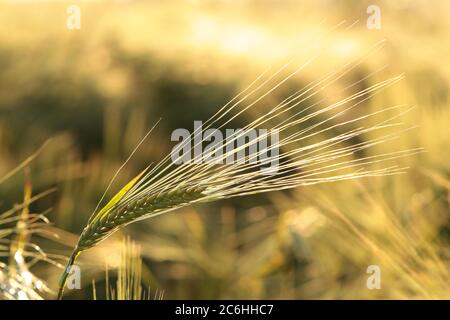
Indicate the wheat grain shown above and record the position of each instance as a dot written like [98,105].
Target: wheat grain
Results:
[134,210]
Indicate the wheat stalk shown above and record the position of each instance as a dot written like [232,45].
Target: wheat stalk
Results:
[129,277]
[167,186]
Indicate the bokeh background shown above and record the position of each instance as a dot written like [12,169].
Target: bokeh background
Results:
[96,91]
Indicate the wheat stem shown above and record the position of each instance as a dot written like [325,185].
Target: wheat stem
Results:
[63,280]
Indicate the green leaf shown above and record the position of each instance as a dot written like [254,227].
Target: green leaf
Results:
[111,204]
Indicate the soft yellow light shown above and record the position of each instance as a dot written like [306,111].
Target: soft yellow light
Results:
[241,39]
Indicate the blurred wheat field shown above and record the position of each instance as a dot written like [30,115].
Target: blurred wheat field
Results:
[96,91]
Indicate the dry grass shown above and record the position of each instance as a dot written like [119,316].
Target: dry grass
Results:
[129,277]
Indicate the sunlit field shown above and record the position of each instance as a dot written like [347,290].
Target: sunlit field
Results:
[77,101]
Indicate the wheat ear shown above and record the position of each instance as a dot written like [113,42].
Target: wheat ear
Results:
[168,186]
[108,221]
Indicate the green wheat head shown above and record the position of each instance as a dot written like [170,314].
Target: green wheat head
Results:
[307,156]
